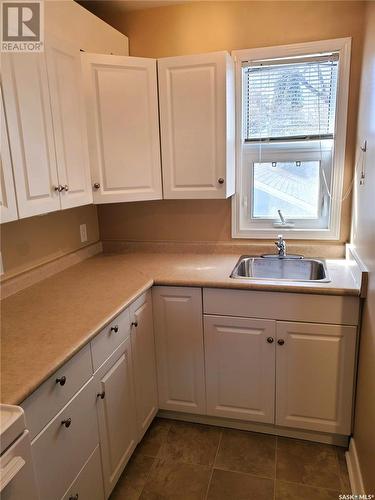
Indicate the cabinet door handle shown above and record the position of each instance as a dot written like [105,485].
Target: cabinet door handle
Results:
[66,187]
[101,395]
[74,497]
[270,340]
[220,180]
[281,341]
[58,188]
[61,380]
[96,185]
[66,422]
[114,328]
[134,323]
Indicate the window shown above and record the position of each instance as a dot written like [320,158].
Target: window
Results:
[291,104]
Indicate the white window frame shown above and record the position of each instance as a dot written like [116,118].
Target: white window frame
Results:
[242,225]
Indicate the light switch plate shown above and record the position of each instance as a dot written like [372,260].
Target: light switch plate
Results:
[83,232]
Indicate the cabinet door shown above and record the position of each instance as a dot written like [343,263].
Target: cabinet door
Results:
[143,351]
[69,122]
[122,110]
[197,125]
[116,414]
[314,376]
[240,367]
[8,204]
[28,112]
[179,348]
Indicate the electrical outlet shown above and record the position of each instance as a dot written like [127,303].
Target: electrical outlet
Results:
[83,232]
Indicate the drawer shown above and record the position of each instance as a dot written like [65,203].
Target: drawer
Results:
[59,452]
[51,396]
[308,308]
[103,345]
[88,485]
[134,306]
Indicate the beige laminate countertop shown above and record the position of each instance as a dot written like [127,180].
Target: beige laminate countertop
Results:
[47,323]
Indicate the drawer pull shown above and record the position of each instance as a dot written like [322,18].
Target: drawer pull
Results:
[134,323]
[74,497]
[220,180]
[114,328]
[61,380]
[66,422]
[281,341]
[101,395]
[270,340]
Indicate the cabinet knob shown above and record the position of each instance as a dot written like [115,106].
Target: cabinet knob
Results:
[66,187]
[101,395]
[220,180]
[281,341]
[66,422]
[96,185]
[270,340]
[114,328]
[61,380]
[134,323]
[74,497]
[58,188]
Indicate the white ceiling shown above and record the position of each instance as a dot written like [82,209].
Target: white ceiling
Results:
[121,6]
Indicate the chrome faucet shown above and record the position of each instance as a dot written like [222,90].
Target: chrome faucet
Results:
[281,245]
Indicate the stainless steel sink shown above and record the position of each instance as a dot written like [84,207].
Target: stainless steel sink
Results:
[281,268]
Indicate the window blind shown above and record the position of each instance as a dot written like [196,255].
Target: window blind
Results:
[290,99]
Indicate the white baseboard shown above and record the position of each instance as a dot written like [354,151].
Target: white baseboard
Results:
[354,469]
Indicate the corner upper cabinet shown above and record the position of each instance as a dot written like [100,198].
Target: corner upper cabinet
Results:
[68,113]
[29,119]
[8,204]
[123,127]
[196,98]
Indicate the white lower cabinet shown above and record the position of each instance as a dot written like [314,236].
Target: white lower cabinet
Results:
[116,413]
[240,367]
[179,348]
[88,485]
[315,376]
[62,448]
[144,362]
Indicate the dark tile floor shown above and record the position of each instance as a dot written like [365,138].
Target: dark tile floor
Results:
[183,461]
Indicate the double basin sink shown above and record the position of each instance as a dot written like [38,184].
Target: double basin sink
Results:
[281,268]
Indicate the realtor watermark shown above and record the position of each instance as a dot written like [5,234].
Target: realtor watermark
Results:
[356,497]
[22,26]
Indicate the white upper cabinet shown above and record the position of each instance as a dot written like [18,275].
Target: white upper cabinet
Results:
[28,113]
[8,204]
[123,127]
[68,112]
[196,96]
[315,376]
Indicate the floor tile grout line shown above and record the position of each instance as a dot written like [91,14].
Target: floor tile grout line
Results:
[213,464]
[308,485]
[274,483]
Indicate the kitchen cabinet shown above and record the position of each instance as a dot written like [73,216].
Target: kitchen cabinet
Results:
[315,376]
[197,106]
[240,367]
[116,413]
[68,113]
[8,204]
[44,107]
[144,362]
[179,348]
[123,127]
[29,119]
[64,445]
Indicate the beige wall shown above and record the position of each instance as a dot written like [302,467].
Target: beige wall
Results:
[209,26]
[364,240]
[30,242]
